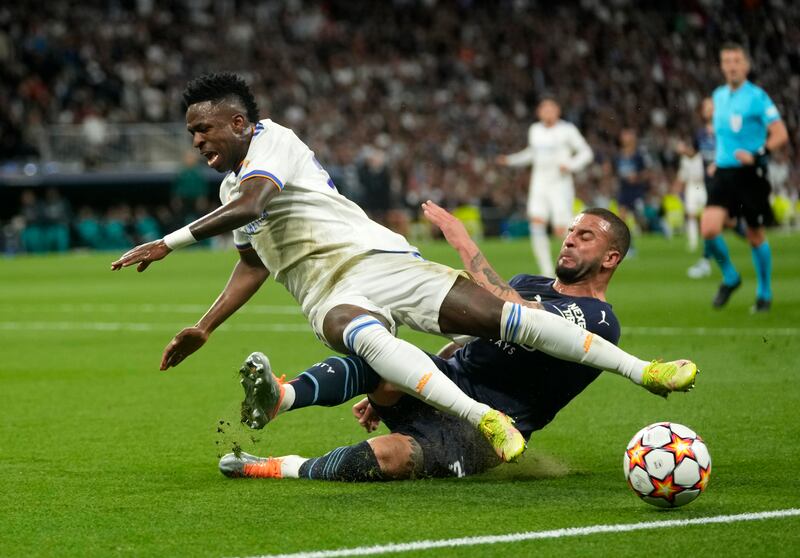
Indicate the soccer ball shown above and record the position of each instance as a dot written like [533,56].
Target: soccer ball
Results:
[667,464]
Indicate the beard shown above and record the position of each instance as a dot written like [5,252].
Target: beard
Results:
[572,275]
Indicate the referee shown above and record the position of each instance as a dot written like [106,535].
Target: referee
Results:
[747,126]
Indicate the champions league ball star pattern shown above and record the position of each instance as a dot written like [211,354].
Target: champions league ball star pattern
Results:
[667,464]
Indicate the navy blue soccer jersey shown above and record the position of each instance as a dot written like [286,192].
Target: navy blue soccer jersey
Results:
[526,384]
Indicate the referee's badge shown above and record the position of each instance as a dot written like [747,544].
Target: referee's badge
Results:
[736,122]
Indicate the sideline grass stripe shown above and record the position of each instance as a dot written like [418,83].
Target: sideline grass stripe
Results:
[303,327]
[533,535]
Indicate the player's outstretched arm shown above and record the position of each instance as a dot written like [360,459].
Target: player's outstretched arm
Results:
[256,194]
[247,277]
[474,261]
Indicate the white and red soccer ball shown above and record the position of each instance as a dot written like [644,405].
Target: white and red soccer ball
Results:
[667,464]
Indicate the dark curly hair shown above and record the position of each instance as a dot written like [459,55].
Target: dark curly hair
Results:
[218,86]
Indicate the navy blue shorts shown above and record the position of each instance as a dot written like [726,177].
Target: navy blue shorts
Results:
[451,447]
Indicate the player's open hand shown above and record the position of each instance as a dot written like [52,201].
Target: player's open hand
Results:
[453,230]
[366,415]
[185,343]
[144,255]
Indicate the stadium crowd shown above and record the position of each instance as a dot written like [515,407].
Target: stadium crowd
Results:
[407,100]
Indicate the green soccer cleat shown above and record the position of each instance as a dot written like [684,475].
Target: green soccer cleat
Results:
[662,378]
[263,392]
[506,440]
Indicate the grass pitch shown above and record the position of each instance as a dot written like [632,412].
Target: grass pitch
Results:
[103,455]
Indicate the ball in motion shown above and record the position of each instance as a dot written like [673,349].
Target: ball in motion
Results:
[667,464]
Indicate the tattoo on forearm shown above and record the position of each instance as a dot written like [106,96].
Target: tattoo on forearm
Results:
[487,277]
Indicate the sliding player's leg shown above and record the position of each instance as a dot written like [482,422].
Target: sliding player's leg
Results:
[423,443]
[469,309]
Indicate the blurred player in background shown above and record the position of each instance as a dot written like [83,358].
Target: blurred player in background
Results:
[354,279]
[747,127]
[556,149]
[691,176]
[631,166]
[529,385]
[706,143]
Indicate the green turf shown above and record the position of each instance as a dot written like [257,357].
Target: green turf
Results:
[101,454]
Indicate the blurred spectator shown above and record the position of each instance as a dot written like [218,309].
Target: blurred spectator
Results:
[57,215]
[32,212]
[89,229]
[115,228]
[145,226]
[190,184]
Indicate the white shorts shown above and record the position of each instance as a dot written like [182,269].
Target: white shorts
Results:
[695,199]
[552,203]
[401,287]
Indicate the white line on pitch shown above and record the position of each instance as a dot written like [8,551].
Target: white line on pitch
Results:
[302,327]
[91,307]
[534,535]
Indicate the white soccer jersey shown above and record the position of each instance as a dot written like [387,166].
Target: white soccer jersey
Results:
[548,149]
[308,230]
[692,173]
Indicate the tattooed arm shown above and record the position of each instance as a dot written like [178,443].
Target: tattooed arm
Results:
[474,261]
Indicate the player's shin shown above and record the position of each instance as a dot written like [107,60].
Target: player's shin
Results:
[332,382]
[409,368]
[561,338]
[356,463]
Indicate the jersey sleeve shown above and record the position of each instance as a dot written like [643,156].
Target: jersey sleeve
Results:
[270,160]
[683,171]
[767,111]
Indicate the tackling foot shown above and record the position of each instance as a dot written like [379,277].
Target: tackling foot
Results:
[251,466]
[263,392]
[662,378]
[506,440]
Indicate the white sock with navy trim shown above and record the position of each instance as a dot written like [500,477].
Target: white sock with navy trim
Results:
[562,339]
[409,368]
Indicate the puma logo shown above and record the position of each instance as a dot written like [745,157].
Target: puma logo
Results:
[603,318]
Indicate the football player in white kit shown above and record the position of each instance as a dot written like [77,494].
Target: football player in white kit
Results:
[556,149]
[354,279]
[691,175]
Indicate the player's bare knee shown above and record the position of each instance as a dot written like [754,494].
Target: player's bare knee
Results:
[336,321]
[471,310]
[399,456]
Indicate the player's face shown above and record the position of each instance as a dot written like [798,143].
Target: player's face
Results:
[549,112]
[584,250]
[218,133]
[735,66]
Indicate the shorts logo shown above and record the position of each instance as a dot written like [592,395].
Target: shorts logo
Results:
[736,123]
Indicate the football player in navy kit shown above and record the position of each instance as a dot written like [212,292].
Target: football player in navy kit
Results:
[527,384]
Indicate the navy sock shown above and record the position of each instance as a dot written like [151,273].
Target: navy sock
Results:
[333,381]
[349,463]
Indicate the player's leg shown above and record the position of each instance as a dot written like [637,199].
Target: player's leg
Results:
[757,213]
[540,244]
[331,382]
[695,202]
[374,460]
[469,309]
[721,198]
[538,216]
[355,330]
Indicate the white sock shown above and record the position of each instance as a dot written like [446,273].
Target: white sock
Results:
[692,233]
[408,368]
[560,338]
[288,398]
[541,249]
[290,466]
